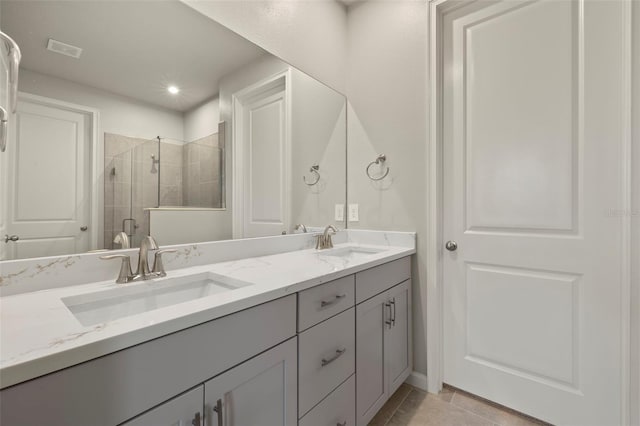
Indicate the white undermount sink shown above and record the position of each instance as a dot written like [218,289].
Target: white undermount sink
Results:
[132,299]
[350,252]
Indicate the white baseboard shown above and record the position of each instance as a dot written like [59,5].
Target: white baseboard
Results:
[418,380]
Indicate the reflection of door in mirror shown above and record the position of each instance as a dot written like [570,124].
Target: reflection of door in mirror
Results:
[50,153]
[262,160]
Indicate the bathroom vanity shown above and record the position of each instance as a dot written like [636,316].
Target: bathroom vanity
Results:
[302,337]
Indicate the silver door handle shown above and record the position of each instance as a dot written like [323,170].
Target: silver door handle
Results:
[451,245]
[8,238]
[325,303]
[218,409]
[393,317]
[389,322]
[339,353]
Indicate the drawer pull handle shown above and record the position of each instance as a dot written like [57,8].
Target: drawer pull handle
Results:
[324,303]
[389,322]
[338,354]
[393,318]
[342,424]
[196,420]
[218,410]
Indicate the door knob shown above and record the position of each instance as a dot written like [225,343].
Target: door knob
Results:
[8,238]
[84,228]
[451,245]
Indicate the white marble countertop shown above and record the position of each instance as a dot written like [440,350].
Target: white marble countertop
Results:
[40,335]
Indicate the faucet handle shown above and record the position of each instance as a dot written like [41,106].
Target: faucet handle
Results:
[158,266]
[125,275]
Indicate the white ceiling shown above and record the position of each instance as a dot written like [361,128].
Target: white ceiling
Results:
[132,48]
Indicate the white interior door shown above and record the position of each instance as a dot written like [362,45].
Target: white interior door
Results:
[265,161]
[532,140]
[49,181]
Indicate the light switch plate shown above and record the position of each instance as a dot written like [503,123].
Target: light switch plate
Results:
[353,213]
[339,215]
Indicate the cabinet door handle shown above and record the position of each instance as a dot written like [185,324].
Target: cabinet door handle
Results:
[393,318]
[389,322]
[196,420]
[325,303]
[339,353]
[342,424]
[218,410]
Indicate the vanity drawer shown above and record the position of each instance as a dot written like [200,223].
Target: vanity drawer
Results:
[338,408]
[324,301]
[326,356]
[380,278]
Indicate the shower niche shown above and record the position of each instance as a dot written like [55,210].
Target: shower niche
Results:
[143,174]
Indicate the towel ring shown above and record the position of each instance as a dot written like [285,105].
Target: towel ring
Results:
[314,169]
[381,159]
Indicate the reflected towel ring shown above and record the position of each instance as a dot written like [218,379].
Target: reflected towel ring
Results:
[314,169]
[380,160]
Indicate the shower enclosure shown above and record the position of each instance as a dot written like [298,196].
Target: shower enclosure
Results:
[143,174]
[132,185]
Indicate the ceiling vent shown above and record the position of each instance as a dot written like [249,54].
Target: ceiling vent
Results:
[64,48]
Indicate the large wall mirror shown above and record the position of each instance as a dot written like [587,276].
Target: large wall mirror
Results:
[146,117]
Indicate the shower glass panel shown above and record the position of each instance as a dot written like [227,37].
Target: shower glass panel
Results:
[132,176]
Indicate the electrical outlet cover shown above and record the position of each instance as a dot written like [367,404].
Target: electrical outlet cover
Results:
[339,212]
[353,213]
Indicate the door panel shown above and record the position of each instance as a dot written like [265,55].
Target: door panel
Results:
[398,336]
[531,132]
[259,392]
[49,181]
[266,194]
[370,357]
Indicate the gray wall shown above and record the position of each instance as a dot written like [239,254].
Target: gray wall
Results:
[308,34]
[387,92]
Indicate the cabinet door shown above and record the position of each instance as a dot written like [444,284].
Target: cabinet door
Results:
[398,340]
[258,392]
[371,380]
[183,410]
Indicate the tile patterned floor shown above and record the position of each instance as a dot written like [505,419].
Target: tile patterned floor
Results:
[410,406]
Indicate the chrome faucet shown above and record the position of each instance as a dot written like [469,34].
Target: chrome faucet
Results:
[142,273]
[323,241]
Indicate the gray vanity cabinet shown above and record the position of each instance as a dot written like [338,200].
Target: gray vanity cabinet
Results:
[383,336]
[183,410]
[258,392]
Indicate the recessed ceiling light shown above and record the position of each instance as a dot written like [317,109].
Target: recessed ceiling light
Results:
[173,90]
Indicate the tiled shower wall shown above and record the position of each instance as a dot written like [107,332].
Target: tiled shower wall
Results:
[189,176]
[201,173]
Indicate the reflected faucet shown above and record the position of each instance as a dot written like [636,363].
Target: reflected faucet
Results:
[300,226]
[123,239]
